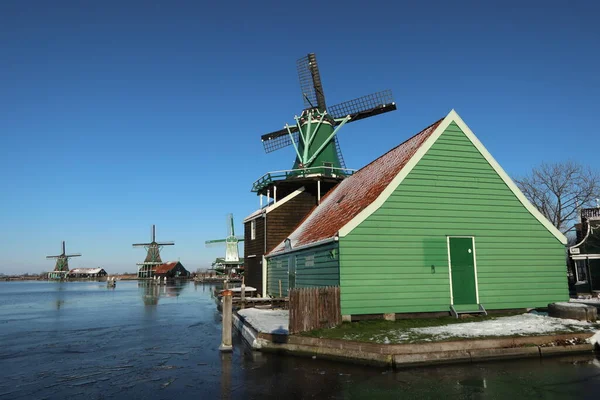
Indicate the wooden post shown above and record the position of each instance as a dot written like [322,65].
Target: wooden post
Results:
[227,310]
[280,292]
[243,295]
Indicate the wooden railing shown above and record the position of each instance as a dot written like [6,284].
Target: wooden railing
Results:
[314,308]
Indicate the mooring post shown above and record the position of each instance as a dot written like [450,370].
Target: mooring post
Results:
[280,294]
[243,295]
[227,310]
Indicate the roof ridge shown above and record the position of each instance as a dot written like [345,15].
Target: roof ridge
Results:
[307,232]
[401,144]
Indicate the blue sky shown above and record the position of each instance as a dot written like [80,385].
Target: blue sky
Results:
[117,115]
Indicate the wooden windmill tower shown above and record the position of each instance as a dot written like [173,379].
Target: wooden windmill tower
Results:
[146,268]
[318,165]
[61,268]
[232,255]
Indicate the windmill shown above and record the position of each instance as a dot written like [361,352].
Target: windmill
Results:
[61,269]
[232,255]
[146,268]
[314,135]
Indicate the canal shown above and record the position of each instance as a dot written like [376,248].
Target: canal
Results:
[80,340]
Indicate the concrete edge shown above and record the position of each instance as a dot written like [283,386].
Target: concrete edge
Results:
[249,334]
[417,348]
[411,355]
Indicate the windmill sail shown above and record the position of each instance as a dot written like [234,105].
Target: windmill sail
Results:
[365,106]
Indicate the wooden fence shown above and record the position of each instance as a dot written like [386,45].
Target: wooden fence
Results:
[314,308]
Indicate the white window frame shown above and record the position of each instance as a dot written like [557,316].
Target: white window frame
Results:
[253,229]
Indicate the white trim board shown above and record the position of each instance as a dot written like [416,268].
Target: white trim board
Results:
[451,117]
[256,214]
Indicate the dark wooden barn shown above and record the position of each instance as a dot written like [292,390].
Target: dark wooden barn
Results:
[171,270]
[268,226]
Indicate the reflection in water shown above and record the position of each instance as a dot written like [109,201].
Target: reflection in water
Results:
[108,344]
[226,375]
[151,292]
[59,300]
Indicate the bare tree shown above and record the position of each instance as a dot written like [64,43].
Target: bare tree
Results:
[558,190]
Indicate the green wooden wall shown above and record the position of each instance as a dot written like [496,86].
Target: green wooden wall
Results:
[277,269]
[316,266]
[397,259]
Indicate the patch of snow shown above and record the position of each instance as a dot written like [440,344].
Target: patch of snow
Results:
[573,304]
[590,300]
[267,321]
[524,324]
[595,339]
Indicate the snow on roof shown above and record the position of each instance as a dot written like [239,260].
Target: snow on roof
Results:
[85,270]
[355,193]
[273,205]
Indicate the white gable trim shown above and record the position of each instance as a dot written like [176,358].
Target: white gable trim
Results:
[270,208]
[451,117]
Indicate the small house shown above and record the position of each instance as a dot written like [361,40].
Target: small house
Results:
[86,273]
[434,225]
[268,226]
[171,270]
[585,254]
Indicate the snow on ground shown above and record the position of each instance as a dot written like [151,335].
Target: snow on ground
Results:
[595,339]
[590,300]
[572,304]
[524,324]
[267,321]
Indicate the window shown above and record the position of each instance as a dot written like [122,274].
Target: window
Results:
[580,271]
[253,229]
[309,261]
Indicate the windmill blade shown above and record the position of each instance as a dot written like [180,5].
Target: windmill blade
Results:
[141,244]
[365,106]
[73,255]
[212,243]
[310,82]
[279,139]
[63,247]
[171,243]
[230,228]
[53,256]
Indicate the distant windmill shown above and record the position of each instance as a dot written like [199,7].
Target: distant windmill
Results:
[232,254]
[153,257]
[61,269]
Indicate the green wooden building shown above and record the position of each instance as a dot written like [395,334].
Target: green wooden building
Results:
[433,225]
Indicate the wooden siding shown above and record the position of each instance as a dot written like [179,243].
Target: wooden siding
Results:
[254,247]
[396,261]
[324,271]
[277,270]
[281,222]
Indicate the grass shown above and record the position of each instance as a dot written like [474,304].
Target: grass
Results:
[400,331]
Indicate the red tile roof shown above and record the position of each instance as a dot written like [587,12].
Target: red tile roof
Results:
[166,267]
[355,193]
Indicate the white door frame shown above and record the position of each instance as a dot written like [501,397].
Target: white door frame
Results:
[474,266]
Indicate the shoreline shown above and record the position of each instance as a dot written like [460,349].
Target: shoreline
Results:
[414,354]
